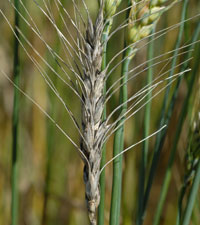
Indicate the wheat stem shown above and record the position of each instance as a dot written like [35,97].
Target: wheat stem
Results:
[192,197]
[156,156]
[119,145]
[142,176]
[163,120]
[191,156]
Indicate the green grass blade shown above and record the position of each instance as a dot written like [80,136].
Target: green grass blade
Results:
[118,147]
[119,141]
[167,177]
[15,124]
[184,187]
[171,106]
[195,213]
[161,135]
[192,197]
[180,201]
[142,176]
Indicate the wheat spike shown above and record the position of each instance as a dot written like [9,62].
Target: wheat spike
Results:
[94,129]
[92,109]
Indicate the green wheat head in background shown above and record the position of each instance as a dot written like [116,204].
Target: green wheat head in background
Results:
[99,112]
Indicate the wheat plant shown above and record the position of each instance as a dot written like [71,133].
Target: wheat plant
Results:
[102,92]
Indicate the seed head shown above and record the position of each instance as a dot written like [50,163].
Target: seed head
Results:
[110,7]
[142,19]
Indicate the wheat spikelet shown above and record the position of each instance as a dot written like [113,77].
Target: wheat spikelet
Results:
[92,109]
[143,17]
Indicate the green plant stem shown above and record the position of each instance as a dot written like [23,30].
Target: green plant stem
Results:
[171,106]
[180,201]
[195,215]
[103,159]
[184,187]
[167,177]
[161,135]
[15,124]
[147,114]
[118,146]
[119,139]
[192,197]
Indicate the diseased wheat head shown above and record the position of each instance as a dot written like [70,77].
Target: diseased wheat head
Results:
[92,109]
[83,49]
[142,18]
